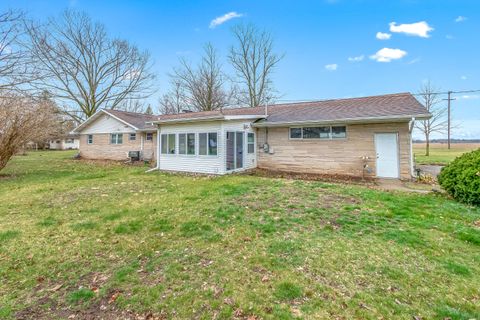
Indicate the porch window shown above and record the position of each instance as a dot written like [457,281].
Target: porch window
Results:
[132,137]
[149,136]
[182,148]
[168,143]
[191,143]
[90,139]
[212,143]
[251,142]
[207,144]
[116,138]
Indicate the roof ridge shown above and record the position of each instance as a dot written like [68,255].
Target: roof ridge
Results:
[134,113]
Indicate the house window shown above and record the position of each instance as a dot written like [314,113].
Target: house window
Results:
[186,143]
[182,147]
[207,144]
[116,138]
[68,140]
[168,143]
[250,142]
[191,143]
[132,137]
[295,133]
[149,136]
[324,132]
[339,132]
[90,139]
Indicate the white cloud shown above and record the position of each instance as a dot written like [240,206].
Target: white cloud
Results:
[222,19]
[419,29]
[463,77]
[387,55]
[331,67]
[383,36]
[356,59]
[460,19]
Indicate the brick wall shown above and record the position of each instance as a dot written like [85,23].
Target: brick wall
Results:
[101,148]
[342,156]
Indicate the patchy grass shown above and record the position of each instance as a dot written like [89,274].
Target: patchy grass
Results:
[102,240]
[440,154]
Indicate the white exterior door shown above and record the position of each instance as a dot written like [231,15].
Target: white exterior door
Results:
[386,146]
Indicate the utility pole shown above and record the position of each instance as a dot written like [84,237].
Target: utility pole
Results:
[449,117]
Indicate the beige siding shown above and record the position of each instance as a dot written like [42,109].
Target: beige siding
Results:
[342,156]
[101,148]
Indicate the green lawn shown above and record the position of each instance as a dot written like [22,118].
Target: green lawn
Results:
[440,154]
[100,240]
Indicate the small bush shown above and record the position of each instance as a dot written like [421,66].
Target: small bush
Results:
[461,178]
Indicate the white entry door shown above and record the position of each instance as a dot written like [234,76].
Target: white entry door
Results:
[386,146]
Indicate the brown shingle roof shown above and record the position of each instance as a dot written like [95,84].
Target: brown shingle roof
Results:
[140,121]
[383,106]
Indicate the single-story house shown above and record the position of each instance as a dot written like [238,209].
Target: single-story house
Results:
[70,142]
[367,136]
[112,134]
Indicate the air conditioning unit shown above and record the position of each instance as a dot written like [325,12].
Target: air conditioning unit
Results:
[134,155]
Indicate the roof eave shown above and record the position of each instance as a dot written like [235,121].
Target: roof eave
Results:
[345,121]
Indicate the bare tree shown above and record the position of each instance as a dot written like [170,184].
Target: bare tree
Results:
[15,66]
[254,61]
[84,68]
[23,119]
[173,102]
[203,88]
[430,98]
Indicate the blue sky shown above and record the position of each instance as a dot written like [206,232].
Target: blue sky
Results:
[436,40]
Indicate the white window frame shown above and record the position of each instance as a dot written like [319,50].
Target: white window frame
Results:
[89,138]
[330,137]
[151,136]
[186,144]
[208,144]
[116,139]
[251,143]
[132,135]
[168,144]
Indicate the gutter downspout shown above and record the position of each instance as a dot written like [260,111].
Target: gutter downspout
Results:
[158,152]
[410,130]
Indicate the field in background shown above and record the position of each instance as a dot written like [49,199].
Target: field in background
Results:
[89,240]
[440,154]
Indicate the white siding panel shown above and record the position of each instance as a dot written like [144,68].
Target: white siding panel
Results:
[107,124]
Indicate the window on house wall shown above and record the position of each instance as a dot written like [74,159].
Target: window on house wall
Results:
[207,144]
[132,137]
[164,143]
[296,133]
[90,139]
[171,143]
[339,132]
[324,132]
[202,144]
[116,138]
[182,146]
[191,143]
[167,143]
[250,142]
[149,136]
[212,143]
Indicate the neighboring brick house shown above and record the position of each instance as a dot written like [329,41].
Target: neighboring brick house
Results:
[111,134]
